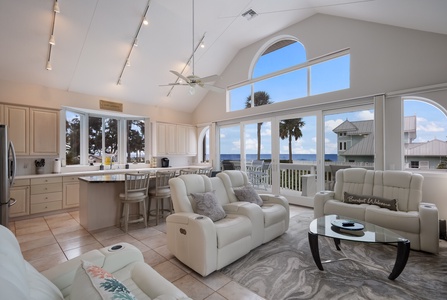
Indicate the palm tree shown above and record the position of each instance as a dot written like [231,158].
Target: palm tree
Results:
[291,128]
[259,98]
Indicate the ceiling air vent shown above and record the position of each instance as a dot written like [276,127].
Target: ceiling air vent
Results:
[249,14]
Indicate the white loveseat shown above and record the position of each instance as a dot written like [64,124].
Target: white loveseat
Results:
[19,280]
[414,220]
[206,246]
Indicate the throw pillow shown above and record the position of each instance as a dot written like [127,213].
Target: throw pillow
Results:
[249,194]
[208,205]
[391,204]
[92,282]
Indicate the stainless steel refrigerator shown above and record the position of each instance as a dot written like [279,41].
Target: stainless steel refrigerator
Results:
[7,174]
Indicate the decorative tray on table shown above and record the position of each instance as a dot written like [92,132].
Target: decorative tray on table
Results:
[347,225]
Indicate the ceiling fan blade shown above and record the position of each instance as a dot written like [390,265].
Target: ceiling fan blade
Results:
[209,78]
[171,84]
[213,88]
[179,75]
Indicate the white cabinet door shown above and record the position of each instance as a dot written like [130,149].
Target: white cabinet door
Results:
[182,137]
[44,135]
[161,139]
[71,195]
[17,120]
[21,207]
[171,139]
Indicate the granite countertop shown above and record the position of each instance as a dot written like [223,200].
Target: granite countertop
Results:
[99,173]
[104,178]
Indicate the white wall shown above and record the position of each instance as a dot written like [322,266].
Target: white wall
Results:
[35,95]
[384,59]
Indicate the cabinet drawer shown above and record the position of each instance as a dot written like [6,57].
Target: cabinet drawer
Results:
[70,179]
[46,188]
[47,206]
[20,182]
[46,180]
[47,197]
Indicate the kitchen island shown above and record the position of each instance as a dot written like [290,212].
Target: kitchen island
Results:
[99,200]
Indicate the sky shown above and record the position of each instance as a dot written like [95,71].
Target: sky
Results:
[332,75]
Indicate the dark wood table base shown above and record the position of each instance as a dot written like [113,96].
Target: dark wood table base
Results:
[403,251]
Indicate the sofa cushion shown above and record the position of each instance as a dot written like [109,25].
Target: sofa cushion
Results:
[248,194]
[232,229]
[335,207]
[92,282]
[273,214]
[391,204]
[208,205]
[18,278]
[393,220]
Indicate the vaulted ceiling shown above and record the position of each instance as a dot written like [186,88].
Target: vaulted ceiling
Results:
[93,39]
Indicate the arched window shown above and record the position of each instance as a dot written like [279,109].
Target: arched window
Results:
[282,72]
[425,134]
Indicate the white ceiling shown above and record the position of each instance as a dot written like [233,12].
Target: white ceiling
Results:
[93,38]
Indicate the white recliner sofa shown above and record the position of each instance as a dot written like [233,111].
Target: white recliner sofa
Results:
[19,280]
[206,246]
[414,220]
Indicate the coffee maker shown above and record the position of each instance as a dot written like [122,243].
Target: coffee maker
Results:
[165,162]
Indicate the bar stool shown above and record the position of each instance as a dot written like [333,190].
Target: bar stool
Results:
[160,192]
[135,192]
[187,171]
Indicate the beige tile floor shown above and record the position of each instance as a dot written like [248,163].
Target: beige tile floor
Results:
[50,240]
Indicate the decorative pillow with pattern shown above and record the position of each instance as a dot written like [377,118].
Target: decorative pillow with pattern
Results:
[208,205]
[248,194]
[92,282]
[391,204]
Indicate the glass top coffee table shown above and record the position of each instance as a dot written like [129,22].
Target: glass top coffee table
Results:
[345,228]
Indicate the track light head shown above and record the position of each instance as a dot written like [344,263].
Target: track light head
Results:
[56,8]
[52,41]
[49,67]
[145,21]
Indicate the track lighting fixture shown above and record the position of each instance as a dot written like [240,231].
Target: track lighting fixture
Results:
[52,40]
[134,44]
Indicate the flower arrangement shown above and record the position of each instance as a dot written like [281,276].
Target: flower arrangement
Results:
[39,163]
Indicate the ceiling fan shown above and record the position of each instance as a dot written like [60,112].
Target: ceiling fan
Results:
[193,80]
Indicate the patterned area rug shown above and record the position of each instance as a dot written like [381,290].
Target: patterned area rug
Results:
[284,269]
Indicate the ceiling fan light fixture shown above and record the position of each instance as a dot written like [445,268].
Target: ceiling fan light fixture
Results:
[192,90]
[249,14]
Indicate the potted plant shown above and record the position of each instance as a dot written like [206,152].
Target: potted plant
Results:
[40,164]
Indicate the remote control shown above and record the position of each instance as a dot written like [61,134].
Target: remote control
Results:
[347,224]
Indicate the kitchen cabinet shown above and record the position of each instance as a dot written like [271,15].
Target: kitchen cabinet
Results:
[176,139]
[44,132]
[46,194]
[34,131]
[20,191]
[70,191]
[17,120]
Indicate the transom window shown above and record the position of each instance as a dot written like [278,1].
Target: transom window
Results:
[283,73]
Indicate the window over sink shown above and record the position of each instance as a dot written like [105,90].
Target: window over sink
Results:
[93,138]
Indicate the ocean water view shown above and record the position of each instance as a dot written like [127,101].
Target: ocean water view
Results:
[303,157]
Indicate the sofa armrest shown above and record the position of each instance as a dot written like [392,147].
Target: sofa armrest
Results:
[63,274]
[116,257]
[254,213]
[429,235]
[277,199]
[192,238]
[320,200]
